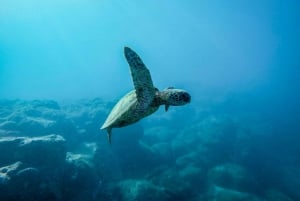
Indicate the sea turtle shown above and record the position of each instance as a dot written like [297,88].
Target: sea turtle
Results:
[144,100]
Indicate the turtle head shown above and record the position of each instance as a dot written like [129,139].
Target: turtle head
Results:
[175,97]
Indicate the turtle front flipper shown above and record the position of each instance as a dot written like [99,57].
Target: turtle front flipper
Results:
[141,77]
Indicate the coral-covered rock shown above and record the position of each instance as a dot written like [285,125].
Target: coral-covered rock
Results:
[210,155]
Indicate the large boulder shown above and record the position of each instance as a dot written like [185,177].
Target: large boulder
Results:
[7,172]
[223,194]
[232,176]
[14,179]
[86,117]
[133,159]
[31,118]
[140,190]
[45,151]
[19,181]
[80,177]
[275,195]
[180,183]
[38,172]
[290,181]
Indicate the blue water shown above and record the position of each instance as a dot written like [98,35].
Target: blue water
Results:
[62,69]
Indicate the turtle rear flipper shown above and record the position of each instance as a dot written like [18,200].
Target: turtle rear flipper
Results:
[109,134]
[141,77]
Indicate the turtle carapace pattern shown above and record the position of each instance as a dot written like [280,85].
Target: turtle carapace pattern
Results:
[144,100]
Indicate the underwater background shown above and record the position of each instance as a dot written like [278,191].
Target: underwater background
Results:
[62,69]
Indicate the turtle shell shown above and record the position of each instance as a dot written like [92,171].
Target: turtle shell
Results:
[126,112]
[122,113]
